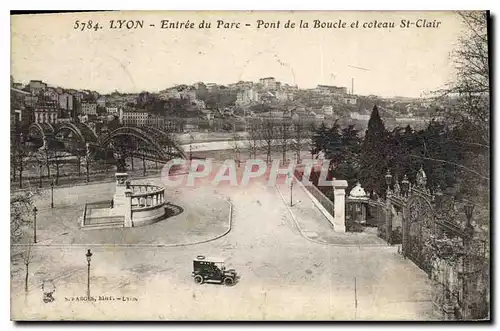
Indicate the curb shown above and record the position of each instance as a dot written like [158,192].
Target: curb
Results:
[317,241]
[230,224]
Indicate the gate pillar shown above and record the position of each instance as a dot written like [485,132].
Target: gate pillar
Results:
[339,187]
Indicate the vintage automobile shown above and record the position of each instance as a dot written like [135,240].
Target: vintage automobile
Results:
[206,269]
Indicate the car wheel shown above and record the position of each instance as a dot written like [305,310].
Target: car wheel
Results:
[228,281]
[198,279]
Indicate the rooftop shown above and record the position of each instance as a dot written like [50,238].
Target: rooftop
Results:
[216,259]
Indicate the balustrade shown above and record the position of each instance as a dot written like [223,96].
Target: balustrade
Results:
[147,195]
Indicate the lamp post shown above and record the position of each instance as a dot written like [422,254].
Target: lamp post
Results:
[405,186]
[88,256]
[52,194]
[438,197]
[469,209]
[40,175]
[35,210]
[291,188]
[388,180]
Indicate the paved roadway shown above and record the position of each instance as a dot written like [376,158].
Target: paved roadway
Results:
[283,276]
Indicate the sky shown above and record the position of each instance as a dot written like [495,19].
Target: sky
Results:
[398,61]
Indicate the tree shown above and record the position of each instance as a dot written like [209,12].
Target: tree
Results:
[472,84]
[19,156]
[284,137]
[253,141]
[27,256]
[236,149]
[88,161]
[373,164]
[319,138]
[348,164]
[466,107]
[267,137]
[333,147]
[300,136]
[21,212]
[56,157]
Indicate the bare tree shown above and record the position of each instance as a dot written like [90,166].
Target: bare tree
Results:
[253,141]
[27,256]
[300,137]
[88,161]
[21,212]
[466,101]
[56,157]
[236,148]
[267,136]
[470,89]
[19,157]
[284,129]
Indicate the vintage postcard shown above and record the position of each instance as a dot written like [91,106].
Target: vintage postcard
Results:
[250,166]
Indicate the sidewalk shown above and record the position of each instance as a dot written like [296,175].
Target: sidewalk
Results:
[315,226]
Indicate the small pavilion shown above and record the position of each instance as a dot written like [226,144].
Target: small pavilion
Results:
[357,203]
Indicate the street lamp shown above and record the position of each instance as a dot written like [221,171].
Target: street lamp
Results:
[388,180]
[438,197]
[89,256]
[469,209]
[52,194]
[35,210]
[405,185]
[40,175]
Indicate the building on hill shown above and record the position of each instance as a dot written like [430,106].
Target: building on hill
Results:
[66,101]
[212,87]
[36,86]
[51,94]
[101,101]
[189,94]
[241,85]
[268,83]
[350,100]
[112,110]
[88,108]
[170,93]
[46,111]
[133,117]
[247,96]
[331,90]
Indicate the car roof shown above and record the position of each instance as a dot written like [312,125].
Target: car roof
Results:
[215,259]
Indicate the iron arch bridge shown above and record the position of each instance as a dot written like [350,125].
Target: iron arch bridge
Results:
[145,142]
[40,130]
[76,132]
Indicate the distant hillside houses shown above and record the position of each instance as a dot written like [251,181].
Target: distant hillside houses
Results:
[267,90]
[37,101]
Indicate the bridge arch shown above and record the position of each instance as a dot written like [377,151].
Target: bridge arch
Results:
[152,138]
[41,129]
[82,132]
[166,140]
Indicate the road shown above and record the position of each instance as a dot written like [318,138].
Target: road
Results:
[283,276]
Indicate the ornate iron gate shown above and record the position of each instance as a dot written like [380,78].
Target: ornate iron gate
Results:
[418,225]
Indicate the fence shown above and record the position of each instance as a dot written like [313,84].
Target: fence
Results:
[461,289]
[318,195]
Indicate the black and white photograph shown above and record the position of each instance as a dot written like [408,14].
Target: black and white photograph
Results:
[250,166]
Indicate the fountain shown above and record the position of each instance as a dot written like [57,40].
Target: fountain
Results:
[132,205]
